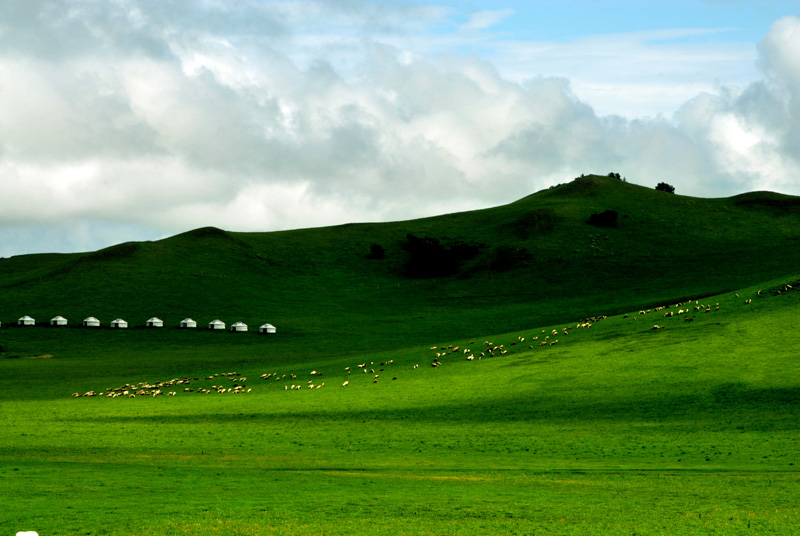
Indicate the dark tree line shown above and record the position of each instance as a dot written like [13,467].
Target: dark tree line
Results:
[429,257]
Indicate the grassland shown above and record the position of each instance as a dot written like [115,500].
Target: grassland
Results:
[618,428]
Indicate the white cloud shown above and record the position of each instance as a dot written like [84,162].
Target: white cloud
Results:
[482,20]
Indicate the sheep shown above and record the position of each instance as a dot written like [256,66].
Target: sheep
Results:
[345,384]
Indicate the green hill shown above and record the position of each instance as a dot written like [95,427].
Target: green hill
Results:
[447,385]
[533,261]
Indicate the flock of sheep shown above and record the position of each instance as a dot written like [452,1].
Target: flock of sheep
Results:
[375,373]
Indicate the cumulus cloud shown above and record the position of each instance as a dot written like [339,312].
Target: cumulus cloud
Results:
[158,116]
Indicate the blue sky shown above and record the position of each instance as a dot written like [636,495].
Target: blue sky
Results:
[139,119]
[564,20]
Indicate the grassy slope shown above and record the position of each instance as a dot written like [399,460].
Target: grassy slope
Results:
[617,428]
[318,283]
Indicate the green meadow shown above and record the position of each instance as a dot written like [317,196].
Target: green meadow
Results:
[524,389]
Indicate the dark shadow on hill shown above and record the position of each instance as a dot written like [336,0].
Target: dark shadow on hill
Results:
[125,250]
[533,224]
[430,257]
[728,406]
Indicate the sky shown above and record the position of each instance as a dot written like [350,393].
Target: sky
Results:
[139,119]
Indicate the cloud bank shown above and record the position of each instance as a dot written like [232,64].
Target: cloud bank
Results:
[150,117]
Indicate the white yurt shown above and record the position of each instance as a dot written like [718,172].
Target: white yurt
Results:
[58,321]
[155,323]
[119,323]
[188,323]
[216,324]
[91,322]
[26,321]
[239,326]
[267,328]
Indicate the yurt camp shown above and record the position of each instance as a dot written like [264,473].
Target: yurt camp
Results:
[188,323]
[119,323]
[26,321]
[155,323]
[216,324]
[267,328]
[239,326]
[58,321]
[91,322]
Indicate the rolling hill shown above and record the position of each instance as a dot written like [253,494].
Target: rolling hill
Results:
[530,262]
[514,370]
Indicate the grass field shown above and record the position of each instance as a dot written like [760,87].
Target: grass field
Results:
[618,428]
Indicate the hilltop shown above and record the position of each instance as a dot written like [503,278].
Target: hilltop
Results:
[532,261]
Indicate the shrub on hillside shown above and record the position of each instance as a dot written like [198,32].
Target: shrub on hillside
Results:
[664,187]
[376,251]
[428,257]
[604,219]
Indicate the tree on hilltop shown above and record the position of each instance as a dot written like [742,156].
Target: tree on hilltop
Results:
[664,187]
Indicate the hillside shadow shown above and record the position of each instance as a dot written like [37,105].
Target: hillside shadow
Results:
[727,406]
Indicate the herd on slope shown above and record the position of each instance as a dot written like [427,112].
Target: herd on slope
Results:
[442,354]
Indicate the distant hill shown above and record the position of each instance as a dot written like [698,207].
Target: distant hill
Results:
[530,262]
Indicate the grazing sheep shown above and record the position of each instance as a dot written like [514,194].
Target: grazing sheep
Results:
[345,384]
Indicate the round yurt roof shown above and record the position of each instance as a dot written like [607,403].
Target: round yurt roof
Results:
[267,326]
[119,321]
[26,317]
[155,319]
[217,321]
[238,324]
[91,319]
[187,320]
